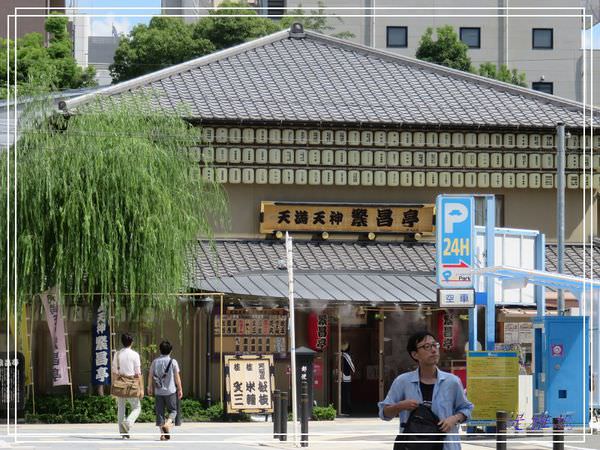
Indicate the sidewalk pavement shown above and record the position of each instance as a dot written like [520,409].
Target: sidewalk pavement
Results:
[340,434]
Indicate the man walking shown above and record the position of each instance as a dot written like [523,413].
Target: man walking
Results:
[126,363]
[429,387]
[164,381]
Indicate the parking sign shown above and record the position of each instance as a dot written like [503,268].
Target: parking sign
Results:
[455,238]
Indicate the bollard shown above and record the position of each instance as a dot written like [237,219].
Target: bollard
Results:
[283,417]
[304,415]
[558,436]
[501,420]
[276,413]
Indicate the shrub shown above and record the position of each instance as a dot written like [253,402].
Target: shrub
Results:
[323,412]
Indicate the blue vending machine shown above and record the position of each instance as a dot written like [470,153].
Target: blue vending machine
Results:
[562,368]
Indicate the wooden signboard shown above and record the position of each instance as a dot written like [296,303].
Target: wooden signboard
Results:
[249,383]
[251,331]
[346,217]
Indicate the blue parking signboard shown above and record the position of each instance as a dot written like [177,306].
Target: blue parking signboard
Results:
[455,239]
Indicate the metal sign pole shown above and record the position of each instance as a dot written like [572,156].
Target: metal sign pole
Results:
[292,328]
[490,309]
[560,213]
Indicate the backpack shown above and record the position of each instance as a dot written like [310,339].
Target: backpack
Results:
[159,381]
[422,420]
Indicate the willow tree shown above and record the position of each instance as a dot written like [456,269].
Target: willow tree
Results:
[109,202]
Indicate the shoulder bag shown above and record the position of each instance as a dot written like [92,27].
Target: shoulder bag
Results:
[421,420]
[123,385]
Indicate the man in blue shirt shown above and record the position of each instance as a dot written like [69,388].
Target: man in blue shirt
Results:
[428,385]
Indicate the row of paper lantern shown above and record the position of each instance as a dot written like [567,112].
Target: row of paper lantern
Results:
[387,158]
[532,180]
[369,138]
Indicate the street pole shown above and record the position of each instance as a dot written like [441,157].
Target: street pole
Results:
[560,208]
[292,327]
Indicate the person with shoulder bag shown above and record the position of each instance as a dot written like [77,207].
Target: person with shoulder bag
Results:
[164,382]
[127,384]
[427,400]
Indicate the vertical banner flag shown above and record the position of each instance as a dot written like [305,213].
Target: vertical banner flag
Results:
[56,325]
[101,348]
[22,340]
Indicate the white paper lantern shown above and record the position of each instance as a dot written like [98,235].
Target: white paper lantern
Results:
[287,176]
[495,180]
[405,179]
[419,159]
[275,136]
[572,181]
[585,181]
[354,138]
[508,180]
[354,178]
[379,178]
[261,135]
[327,138]
[471,160]
[195,173]
[572,161]
[393,178]
[406,139]
[470,140]
[432,159]
[521,161]
[301,137]
[419,179]
[380,158]
[366,178]
[535,161]
[341,137]
[483,160]
[208,154]
[314,158]
[584,161]
[301,176]
[248,176]
[445,159]
[496,140]
[327,157]
[248,155]
[521,180]
[496,160]
[366,158]
[235,176]
[535,141]
[287,136]
[470,179]
[419,139]
[208,174]
[366,138]
[535,180]
[522,140]
[573,142]
[327,177]
[261,176]
[274,176]
[208,135]
[354,158]
[380,138]
[221,135]
[393,158]
[509,140]
[508,160]
[445,179]
[547,162]
[458,179]
[248,135]
[262,156]
[393,139]
[445,140]
[406,159]
[341,158]
[548,141]
[235,135]
[301,157]
[221,155]
[287,156]
[431,179]
[235,155]
[483,180]
[547,181]
[431,139]
[341,177]
[458,140]
[458,159]
[274,156]
[314,138]
[483,140]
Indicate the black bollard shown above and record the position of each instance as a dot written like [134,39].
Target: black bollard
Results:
[501,420]
[304,415]
[558,436]
[283,417]
[276,413]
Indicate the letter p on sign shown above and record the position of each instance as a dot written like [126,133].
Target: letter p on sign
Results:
[454,213]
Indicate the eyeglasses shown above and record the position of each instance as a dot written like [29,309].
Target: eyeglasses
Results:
[428,347]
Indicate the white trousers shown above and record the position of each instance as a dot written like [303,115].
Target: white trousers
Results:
[136,409]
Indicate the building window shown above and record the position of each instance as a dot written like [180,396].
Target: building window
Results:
[546,87]
[480,211]
[397,37]
[543,38]
[471,36]
[275,8]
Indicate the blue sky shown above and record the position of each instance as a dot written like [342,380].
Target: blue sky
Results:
[102,26]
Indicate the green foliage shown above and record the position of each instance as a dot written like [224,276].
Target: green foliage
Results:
[168,40]
[109,204]
[165,41]
[323,412]
[40,67]
[448,50]
[513,76]
[96,409]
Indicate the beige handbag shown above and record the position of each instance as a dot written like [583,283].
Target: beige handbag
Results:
[124,386]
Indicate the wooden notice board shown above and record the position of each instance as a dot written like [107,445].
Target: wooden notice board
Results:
[249,383]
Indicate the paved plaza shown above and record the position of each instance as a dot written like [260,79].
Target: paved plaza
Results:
[341,433]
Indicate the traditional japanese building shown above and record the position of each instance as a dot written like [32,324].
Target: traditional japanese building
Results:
[346,148]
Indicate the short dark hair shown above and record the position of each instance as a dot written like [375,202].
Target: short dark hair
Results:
[416,339]
[126,339]
[165,347]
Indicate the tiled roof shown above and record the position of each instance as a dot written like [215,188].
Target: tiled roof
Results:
[317,78]
[234,257]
